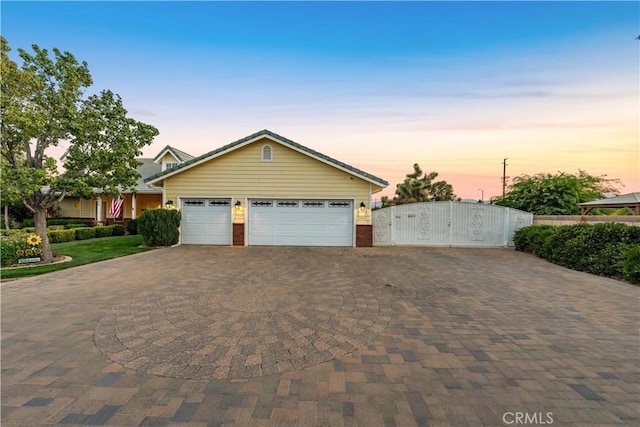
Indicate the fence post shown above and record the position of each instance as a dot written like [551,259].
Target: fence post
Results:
[506,227]
[450,205]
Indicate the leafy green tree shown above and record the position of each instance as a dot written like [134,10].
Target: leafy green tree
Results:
[43,102]
[420,188]
[556,194]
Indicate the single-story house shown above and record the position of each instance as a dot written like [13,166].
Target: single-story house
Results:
[265,189]
[98,209]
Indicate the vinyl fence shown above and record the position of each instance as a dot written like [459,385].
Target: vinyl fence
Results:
[453,224]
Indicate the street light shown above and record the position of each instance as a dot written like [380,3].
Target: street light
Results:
[482,198]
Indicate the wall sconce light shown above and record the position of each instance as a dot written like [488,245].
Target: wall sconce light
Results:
[238,205]
[168,204]
[362,207]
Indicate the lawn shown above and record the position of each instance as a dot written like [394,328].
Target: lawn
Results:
[83,252]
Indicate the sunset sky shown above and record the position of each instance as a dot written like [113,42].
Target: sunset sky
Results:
[453,86]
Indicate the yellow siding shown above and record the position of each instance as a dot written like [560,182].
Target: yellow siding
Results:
[74,207]
[241,173]
[146,201]
[168,158]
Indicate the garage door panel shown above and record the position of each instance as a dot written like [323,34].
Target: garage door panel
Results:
[301,222]
[206,221]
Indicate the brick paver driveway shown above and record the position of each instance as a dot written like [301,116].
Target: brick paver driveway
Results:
[204,336]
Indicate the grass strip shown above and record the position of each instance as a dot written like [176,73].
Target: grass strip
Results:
[83,252]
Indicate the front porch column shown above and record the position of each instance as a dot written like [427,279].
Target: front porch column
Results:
[133,206]
[99,218]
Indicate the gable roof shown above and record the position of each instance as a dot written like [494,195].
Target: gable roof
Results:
[621,200]
[148,168]
[179,155]
[629,200]
[276,138]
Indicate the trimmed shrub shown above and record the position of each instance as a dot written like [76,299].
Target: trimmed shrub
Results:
[104,231]
[28,222]
[16,232]
[630,264]
[59,236]
[118,230]
[85,233]
[160,227]
[132,226]
[533,239]
[65,221]
[601,249]
[76,222]
[71,225]
[55,227]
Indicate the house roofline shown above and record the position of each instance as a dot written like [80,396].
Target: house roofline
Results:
[276,138]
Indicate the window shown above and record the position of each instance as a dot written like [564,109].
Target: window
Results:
[313,204]
[170,165]
[339,204]
[267,153]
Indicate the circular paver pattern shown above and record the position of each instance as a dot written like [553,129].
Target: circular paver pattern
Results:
[240,331]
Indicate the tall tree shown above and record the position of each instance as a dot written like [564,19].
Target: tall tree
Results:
[418,187]
[43,102]
[556,194]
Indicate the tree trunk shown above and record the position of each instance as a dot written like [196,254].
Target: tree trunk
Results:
[40,217]
[6,217]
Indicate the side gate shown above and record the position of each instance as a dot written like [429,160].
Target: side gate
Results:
[453,224]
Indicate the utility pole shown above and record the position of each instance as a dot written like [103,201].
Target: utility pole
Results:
[504,177]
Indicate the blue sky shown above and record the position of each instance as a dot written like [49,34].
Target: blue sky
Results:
[454,86]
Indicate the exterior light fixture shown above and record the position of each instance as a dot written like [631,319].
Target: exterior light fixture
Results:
[238,205]
[362,207]
[168,204]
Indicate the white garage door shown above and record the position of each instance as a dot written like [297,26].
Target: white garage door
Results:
[301,222]
[206,221]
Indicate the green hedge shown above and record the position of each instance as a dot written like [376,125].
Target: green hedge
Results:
[118,230]
[59,236]
[606,249]
[109,230]
[71,225]
[15,232]
[160,227]
[104,231]
[29,222]
[132,226]
[85,233]
[631,264]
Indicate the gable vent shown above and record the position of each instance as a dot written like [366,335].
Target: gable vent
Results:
[267,154]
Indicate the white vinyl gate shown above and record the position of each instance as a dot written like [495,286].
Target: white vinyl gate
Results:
[448,224]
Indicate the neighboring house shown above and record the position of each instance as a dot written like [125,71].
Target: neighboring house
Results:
[265,189]
[145,197]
